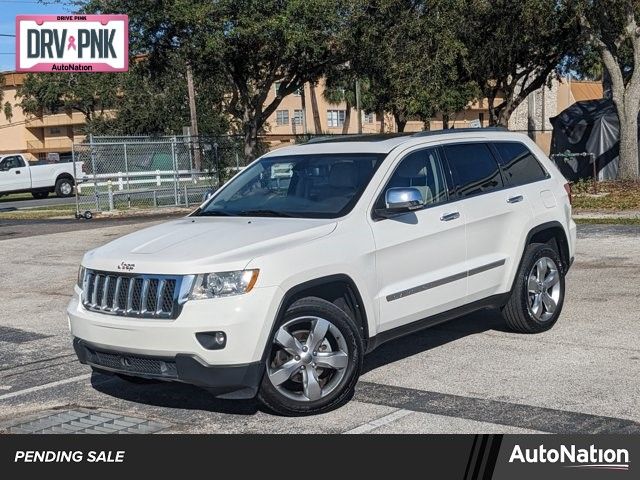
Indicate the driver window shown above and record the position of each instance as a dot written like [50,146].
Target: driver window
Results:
[11,162]
[422,170]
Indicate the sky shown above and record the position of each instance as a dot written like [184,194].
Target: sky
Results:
[8,11]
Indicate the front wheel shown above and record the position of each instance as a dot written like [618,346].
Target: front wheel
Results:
[314,359]
[538,292]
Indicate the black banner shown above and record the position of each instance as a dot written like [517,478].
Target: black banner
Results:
[466,457]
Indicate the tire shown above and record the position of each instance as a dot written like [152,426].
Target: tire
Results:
[64,187]
[39,195]
[535,291]
[304,387]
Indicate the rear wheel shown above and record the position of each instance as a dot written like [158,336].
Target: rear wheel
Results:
[64,187]
[314,360]
[538,292]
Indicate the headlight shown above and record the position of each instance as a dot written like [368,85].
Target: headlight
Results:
[223,284]
[80,276]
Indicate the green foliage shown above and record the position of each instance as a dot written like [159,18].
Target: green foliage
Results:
[66,92]
[251,44]
[411,56]
[515,46]
[8,111]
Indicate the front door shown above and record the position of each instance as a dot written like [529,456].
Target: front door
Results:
[420,255]
[14,174]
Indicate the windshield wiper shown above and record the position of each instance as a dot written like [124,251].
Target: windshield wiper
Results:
[212,213]
[262,213]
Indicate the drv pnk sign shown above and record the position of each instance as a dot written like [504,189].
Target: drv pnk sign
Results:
[72,43]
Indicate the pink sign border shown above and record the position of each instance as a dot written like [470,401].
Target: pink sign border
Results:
[98,67]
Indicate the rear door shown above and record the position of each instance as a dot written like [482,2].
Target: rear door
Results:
[420,255]
[496,215]
[14,174]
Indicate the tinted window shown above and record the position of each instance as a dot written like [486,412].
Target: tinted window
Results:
[421,170]
[474,168]
[12,162]
[519,166]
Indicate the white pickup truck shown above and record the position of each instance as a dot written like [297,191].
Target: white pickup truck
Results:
[18,176]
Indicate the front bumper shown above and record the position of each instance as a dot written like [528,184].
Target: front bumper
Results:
[171,346]
[233,381]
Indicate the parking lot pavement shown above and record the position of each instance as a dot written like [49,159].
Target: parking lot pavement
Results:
[469,375]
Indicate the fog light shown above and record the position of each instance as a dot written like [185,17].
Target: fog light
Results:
[212,340]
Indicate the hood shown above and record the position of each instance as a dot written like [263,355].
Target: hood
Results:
[204,244]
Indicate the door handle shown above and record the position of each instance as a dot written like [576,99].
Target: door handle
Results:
[17,172]
[516,199]
[450,216]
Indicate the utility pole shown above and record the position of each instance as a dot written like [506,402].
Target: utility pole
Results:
[194,118]
[358,106]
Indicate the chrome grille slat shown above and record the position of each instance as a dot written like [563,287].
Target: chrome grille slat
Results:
[116,295]
[132,295]
[105,292]
[144,295]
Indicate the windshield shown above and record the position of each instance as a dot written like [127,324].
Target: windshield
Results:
[313,186]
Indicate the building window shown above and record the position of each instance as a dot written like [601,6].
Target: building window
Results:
[335,118]
[54,131]
[282,117]
[368,118]
[276,86]
[297,117]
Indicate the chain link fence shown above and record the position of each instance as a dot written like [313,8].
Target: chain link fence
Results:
[118,173]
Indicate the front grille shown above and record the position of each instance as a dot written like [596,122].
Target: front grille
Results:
[132,364]
[148,296]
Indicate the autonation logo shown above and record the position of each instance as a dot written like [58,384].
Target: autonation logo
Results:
[573,457]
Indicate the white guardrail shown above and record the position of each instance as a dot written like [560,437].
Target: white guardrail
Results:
[121,180]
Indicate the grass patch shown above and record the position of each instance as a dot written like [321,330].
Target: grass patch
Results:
[608,221]
[15,197]
[40,213]
[611,196]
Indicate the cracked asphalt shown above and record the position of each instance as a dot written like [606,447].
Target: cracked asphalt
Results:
[467,376]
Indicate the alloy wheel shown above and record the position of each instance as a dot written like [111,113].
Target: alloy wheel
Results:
[309,358]
[544,289]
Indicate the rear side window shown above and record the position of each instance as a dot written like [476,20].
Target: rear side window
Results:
[474,169]
[519,165]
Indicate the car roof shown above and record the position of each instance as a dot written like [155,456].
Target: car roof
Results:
[385,143]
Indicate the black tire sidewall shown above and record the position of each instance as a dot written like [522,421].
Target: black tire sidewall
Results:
[59,184]
[280,404]
[535,253]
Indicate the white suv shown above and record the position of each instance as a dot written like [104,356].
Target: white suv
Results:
[316,254]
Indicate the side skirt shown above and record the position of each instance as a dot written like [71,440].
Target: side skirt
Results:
[495,301]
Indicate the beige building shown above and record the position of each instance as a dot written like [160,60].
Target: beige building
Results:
[55,133]
[294,116]
[36,136]
[531,117]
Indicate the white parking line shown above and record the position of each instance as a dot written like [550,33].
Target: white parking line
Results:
[26,391]
[387,419]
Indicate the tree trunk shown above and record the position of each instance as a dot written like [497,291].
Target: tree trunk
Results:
[628,159]
[250,140]
[491,106]
[347,119]
[381,122]
[445,121]
[401,122]
[314,109]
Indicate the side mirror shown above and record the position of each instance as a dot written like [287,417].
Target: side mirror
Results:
[401,200]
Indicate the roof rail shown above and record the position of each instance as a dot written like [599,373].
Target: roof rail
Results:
[450,131]
[356,137]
